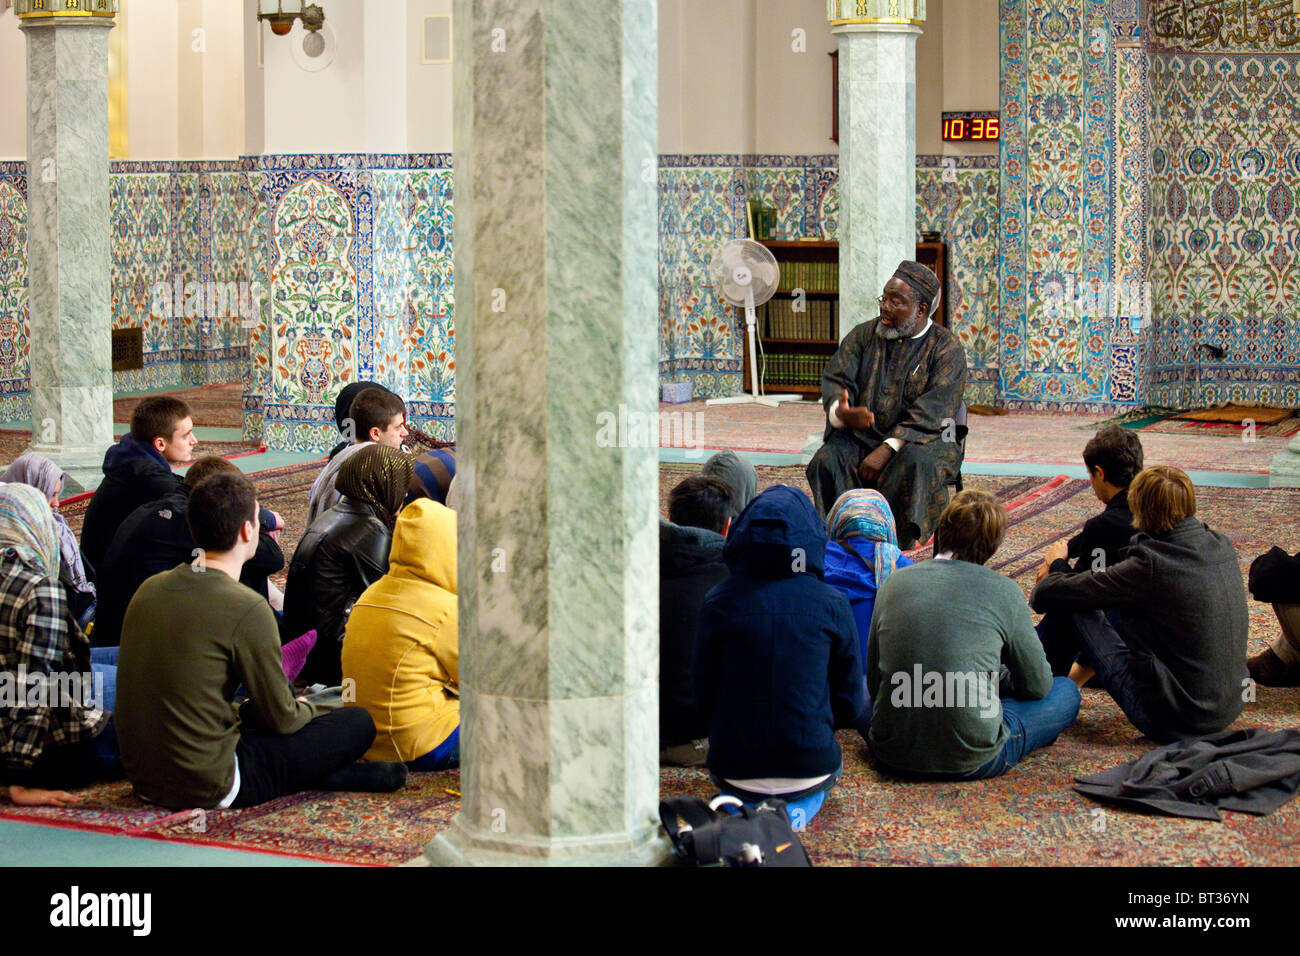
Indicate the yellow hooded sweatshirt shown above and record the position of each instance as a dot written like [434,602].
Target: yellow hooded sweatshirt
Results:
[400,647]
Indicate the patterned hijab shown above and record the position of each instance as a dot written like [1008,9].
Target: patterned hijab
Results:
[49,479]
[863,516]
[379,476]
[27,526]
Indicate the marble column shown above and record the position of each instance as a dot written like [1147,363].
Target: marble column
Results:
[69,290]
[556,348]
[877,122]
[1284,471]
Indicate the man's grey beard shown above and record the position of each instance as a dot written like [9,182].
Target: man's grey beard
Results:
[902,332]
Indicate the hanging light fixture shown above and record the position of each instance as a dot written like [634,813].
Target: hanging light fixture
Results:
[281,14]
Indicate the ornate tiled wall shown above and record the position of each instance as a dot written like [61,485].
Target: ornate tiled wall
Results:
[1225,80]
[702,204]
[355,252]
[341,266]
[1058,221]
[957,197]
[14,320]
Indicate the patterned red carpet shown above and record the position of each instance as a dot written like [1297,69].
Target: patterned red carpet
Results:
[1029,816]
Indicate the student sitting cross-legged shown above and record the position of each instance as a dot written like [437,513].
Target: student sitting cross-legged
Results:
[55,727]
[943,705]
[1171,648]
[862,553]
[344,552]
[776,665]
[191,637]
[690,565]
[401,650]
[1113,458]
[49,479]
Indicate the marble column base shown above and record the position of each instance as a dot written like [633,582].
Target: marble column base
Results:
[72,426]
[810,447]
[1284,472]
[458,846]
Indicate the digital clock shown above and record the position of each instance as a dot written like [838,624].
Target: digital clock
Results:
[971,127]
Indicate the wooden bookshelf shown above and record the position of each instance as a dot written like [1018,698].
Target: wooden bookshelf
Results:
[797,346]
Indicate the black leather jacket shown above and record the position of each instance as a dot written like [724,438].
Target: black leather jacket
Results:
[343,552]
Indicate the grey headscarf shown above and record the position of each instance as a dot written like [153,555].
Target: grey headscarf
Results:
[739,475]
[48,478]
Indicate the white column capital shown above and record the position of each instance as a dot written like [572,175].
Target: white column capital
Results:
[874,16]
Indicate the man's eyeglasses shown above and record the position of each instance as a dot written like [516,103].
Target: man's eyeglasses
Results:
[895,301]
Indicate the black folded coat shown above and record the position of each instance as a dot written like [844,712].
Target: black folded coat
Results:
[1249,771]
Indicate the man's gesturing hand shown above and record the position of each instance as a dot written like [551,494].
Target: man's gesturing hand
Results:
[875,463]
[853,417]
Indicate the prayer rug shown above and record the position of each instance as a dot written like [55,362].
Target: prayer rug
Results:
[1236,414]
[1283,428]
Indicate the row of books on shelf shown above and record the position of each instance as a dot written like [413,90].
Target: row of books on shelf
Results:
[811,276]
[778,319]
[785,369]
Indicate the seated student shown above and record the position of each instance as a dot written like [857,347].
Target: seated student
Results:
[49,479]
[191,637]
[401,644]
[156,537]
[1275,579]
[377,417]
[1172,650]
[138,469]
[776,659]
[47,744]
[1113,458]
[862,553]
[343,553]
[690,564]
[740,476]
[433,475]
[941,705]
[342,408]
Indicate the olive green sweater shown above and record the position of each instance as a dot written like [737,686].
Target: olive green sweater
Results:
[941,632]
[189,640]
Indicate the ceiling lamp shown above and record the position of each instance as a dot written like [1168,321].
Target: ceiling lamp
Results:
[281,14]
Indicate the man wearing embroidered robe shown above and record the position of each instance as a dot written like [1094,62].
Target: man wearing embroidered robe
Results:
[892,393]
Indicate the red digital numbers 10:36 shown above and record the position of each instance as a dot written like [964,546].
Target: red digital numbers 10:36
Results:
[972,128]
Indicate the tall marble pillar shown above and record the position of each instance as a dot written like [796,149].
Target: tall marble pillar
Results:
[69,291]
[556,354]
[877,122]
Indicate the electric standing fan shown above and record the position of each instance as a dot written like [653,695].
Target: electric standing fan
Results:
[745,273]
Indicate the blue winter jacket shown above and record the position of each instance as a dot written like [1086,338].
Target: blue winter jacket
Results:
[777,663]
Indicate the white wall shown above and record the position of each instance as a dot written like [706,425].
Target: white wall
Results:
[324,111]
[428,85]
[794,94]
[152,80]
[709,92]
[930,68]
[13,88]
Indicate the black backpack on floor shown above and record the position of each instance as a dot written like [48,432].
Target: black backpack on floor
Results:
[756,836]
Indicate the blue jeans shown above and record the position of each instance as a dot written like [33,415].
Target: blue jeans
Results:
[445,756]
[103,749]
[1129,677]
[1031,725]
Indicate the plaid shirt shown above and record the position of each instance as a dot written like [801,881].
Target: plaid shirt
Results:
[37,636]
